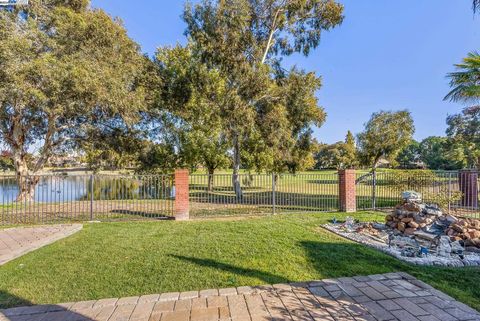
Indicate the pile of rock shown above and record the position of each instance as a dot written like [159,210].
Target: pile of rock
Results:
[466,231]
[429,227]
[408,217]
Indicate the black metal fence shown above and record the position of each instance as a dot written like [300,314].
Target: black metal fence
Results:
[59,198]
[318,192]
[448,189]
[63,198]
[263,194]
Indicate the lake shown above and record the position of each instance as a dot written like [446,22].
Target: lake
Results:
[50,189]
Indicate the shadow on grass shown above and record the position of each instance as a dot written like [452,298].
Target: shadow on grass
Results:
[332,260]
[266,277]
[329,260]
[142,214]
[25,310]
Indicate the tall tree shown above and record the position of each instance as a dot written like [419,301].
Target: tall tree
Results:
[193,96]
[245,40]
[385,135]
[476,6]
[63,67]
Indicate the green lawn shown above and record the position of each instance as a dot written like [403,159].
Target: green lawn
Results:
[124,259]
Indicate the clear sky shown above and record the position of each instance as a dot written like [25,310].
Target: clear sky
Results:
[387,55]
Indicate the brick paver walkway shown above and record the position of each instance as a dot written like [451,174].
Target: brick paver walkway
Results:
[15,242]
[392,296]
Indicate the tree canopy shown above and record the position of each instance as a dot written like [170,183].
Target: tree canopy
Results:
[464,130]
[63,67]
[409,156]
[269,110]
[439,153]
[385,135]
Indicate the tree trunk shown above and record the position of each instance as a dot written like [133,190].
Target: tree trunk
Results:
[26,182]
[236,169]
[211,172]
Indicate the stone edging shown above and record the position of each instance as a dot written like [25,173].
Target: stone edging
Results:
[431,260]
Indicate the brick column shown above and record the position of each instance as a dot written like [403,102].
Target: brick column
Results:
[468,183]
[182,206]
[347,190]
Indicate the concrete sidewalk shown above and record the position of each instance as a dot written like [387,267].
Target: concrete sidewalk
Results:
[392,296]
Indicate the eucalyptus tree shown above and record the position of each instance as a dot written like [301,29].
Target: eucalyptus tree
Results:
[245,40]
[63,67]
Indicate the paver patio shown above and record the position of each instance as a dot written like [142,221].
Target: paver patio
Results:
[15,242]
[392,296]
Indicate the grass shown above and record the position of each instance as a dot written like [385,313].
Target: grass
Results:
[125,259]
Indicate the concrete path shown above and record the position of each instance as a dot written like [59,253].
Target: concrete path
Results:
[392,296]
[15,242]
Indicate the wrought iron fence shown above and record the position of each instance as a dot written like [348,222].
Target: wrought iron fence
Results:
[58,198]
[452,190]
[62,198]
[214,195]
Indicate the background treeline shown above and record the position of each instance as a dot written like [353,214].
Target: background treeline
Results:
[460,148]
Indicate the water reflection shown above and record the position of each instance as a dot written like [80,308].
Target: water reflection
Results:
[50,189]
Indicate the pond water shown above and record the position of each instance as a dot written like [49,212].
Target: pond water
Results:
[63,188]
[50,189]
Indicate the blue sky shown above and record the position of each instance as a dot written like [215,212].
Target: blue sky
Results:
[387,55]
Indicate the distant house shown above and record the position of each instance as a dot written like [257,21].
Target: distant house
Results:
[65,161]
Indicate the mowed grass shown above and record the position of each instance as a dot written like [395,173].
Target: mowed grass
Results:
[128,259]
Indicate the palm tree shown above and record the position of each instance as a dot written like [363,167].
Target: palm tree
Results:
[466,80]
[476,5]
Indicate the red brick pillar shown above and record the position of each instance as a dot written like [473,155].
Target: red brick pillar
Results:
[468,182]
[182,206]
[347,190]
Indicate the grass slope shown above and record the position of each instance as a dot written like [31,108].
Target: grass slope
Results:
[126,259]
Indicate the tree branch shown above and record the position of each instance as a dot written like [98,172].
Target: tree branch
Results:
[273,29]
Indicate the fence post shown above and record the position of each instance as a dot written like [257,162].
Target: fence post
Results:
[273,193]
[449,192]
[182,202]
[92,177]
[468,181]
[347,190]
